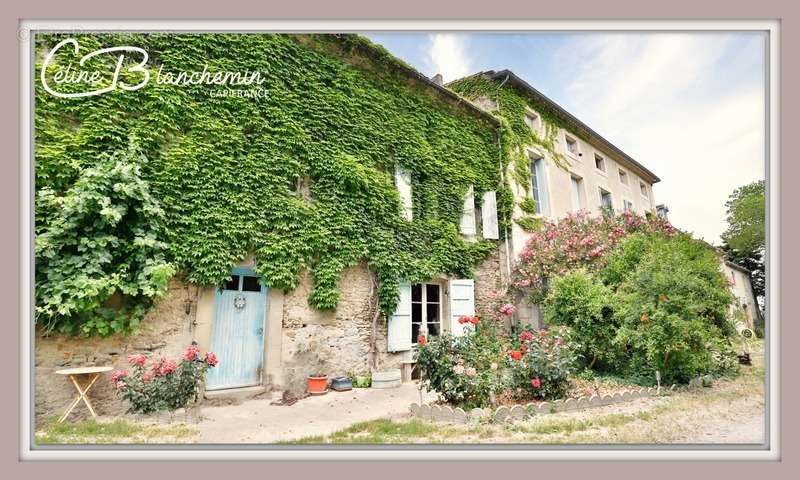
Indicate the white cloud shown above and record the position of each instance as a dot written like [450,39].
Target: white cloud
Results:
[659,98]
[448,55]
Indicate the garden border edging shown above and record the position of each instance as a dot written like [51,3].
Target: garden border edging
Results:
[503,413]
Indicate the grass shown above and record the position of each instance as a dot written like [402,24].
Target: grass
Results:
[116,431]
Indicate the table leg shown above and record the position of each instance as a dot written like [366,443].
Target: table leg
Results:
[82,395]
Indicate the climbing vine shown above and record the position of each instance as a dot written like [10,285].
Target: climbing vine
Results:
[302,177]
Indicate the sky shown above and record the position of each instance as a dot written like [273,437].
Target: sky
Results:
[688,106]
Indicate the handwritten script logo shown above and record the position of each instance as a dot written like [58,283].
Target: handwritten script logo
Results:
[92,77]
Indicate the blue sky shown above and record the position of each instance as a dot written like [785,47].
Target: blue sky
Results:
[689,106]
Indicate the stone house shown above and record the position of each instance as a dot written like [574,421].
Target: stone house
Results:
[269,338]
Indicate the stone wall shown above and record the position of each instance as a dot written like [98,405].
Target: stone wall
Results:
[490,284]
[164,331]
[333,342]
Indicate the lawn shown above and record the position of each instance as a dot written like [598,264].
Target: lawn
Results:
[117,431]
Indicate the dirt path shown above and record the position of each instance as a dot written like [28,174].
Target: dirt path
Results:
[256,421]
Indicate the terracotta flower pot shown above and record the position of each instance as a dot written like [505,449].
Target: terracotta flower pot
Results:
[317,385]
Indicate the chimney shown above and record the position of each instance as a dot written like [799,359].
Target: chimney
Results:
[437,79]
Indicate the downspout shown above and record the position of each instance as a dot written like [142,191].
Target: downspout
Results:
[503,183]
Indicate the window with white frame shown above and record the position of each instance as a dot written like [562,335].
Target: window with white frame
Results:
[426,310]
[572,145]
[643,188]
[532,120]
[627,205]
[599,163]
[538,183]
[623,177]
[577,192]
[605,199]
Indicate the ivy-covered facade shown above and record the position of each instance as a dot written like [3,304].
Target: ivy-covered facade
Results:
[320,225]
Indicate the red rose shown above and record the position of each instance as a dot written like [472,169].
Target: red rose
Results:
[138,360]
[526,336]
[211,359]
[422,340]
[516,355]
[473,320]
[536,383]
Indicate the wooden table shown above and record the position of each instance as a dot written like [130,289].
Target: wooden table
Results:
[73,373]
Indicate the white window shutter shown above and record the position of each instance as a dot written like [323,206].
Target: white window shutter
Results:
[402,179]
[468,214]
[462,302]
[399,328]
[489,216]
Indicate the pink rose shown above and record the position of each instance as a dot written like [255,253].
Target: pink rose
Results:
[191,353]
[493,366]
[211,358]
[147,376]
[471,372]
[138,360]
[458,369]
[118,375]
[536,383]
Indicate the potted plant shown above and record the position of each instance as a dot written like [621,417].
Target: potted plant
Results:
[317,384]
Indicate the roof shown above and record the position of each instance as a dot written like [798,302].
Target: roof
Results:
[513,79]
[736,266]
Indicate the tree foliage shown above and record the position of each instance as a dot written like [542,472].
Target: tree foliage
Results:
[744,241]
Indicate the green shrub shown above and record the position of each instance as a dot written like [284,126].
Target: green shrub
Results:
[672,307]
[584,304]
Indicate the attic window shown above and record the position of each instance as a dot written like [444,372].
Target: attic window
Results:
[599,163]
[532,120]
[572,145]
[623,177]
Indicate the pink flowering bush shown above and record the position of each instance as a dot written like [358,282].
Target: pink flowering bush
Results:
[577,241]
[165,384]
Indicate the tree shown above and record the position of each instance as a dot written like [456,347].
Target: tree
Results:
[744,240]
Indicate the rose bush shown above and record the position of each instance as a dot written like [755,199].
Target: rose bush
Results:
[471,370]
[166,384]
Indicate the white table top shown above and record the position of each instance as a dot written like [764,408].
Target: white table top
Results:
[83,370]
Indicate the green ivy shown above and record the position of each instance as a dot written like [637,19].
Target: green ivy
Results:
[301,178]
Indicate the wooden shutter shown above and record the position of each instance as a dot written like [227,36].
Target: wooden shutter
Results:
[489,216]
[462,302]
[399,329]
[402,179]
[468,214]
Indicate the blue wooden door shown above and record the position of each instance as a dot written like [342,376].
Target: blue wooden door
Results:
[237,335]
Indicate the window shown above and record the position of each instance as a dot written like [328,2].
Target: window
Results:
[250,284]
[572,145]
[532,120]
[577,188]
[402,178]
[627,205]
[538,183]
[643,188]
[599,163]
[623,177]
[605,199]
[232,284]
[426,310]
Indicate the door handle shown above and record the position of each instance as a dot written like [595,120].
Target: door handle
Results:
[260,331]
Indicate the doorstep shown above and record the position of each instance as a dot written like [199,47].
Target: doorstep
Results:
[242,393]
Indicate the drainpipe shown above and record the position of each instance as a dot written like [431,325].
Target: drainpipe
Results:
[503,182]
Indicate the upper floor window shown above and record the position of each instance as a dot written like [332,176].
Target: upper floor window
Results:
[538,183]
[572,145]
[577,193]
[623,177]
[532,120]
[599,163]
[402,178]
[643,188]
[605,199]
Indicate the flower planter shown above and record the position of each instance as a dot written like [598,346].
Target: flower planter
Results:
[317,384]
[341,384]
